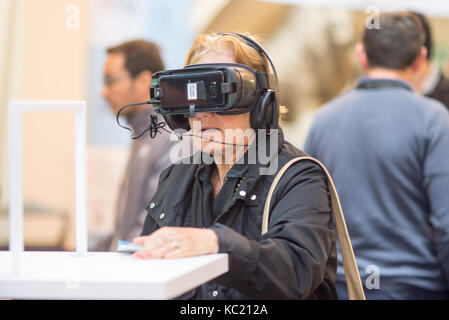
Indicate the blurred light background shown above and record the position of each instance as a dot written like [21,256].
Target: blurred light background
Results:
[55,49]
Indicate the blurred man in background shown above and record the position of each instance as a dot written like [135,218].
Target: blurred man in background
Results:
[428,79]
[127,76]
[387,149]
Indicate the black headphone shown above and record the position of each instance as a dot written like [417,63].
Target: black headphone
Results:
[264,115]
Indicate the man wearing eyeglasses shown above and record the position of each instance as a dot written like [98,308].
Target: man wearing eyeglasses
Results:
[127,76]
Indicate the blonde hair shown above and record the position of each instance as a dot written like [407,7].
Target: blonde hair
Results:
[242,52]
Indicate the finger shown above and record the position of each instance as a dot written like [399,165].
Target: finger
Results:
[140,240]
[142,254]
[178,253]
[157,239]
[153,243]
[180,248]
[163,232]
[163,250]
[161,239]
[138,254]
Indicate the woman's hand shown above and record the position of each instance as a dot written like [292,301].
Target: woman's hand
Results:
[176,242]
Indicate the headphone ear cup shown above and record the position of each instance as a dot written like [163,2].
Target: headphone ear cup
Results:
[265,114]
[274,106]
[258,113]
[177,122]
[255,116]
[268,111]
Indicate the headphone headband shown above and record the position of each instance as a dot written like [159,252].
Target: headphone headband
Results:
[269,112]
[252,43]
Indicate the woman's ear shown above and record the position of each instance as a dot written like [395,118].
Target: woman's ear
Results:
[361,56]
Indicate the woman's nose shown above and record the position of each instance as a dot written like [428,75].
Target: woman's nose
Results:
[199,119]
[203,115]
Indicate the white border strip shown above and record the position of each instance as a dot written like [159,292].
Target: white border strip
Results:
[15,147]
[437,8]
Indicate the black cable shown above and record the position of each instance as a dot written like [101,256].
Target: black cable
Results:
[126,106]
[204,138]
[156,126]
[259,48]
[180,136]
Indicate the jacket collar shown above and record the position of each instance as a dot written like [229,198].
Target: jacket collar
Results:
[249,174]
[248,171]
[374,83]
[245,190]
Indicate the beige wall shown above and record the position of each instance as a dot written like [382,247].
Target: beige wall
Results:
[55,63]
[49,62]
[7,26]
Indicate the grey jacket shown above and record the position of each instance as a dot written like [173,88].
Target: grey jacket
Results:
[387,149]
[147,159]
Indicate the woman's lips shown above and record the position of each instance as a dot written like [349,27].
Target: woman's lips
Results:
[210,130]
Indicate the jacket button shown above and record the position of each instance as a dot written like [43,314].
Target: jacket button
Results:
[253,197]
[242,193]
[215,293]
[161,216]
[152,205]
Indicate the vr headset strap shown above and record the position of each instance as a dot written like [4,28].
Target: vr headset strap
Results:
[265,80]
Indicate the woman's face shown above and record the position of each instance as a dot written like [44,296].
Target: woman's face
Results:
[209,125]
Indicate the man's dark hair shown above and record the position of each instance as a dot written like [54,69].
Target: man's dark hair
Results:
[396,43]
[140,55]
[427,33]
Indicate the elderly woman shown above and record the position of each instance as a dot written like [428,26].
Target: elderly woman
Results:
[217,207]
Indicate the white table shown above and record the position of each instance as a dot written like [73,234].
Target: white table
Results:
[104,275]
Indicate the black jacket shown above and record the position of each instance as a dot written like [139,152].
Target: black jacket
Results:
[295,259]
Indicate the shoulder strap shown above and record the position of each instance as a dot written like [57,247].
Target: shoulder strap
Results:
[353,281]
